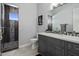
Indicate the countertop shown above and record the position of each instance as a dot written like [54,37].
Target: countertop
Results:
[62,37]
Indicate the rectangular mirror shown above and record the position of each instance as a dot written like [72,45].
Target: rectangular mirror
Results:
[62,20]
[76,19]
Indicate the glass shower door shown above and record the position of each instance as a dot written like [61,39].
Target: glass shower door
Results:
[10,28]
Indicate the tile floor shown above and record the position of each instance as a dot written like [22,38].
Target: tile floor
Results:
[25,51]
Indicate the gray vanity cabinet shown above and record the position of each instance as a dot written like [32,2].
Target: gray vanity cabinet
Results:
[56,47]
[50,46]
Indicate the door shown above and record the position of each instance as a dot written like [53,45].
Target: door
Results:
[10,28]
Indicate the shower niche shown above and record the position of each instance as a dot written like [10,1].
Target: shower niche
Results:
[9,24]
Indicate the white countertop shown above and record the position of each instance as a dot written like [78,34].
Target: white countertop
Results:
[62,37]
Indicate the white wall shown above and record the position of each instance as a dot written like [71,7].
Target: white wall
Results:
[27,16]
[43,9]
[27,22]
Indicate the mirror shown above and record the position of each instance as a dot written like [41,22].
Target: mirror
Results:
[62,20]
[76,20]
[65,18]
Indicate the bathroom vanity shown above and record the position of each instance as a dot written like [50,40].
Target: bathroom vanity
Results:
[52,44]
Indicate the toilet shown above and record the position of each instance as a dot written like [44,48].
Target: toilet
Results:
[34,42]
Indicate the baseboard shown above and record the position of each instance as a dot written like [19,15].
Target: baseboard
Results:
[25,45]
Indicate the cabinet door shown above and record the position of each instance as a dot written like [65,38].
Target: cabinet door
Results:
[59,51]
[42,45]
[51,47]
[56,47]
[73,48]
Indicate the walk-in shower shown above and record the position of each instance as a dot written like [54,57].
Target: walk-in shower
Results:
[9,27]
